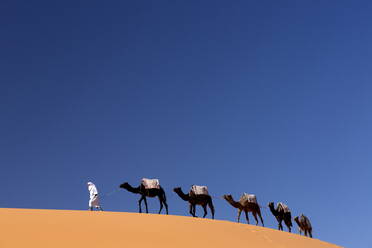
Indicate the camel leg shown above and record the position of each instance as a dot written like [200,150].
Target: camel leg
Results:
[259,214]
[288,224]
[145,200]
[280,226]
[192,210]
[255,217]
[166,205]
[161,204]
[246,216]
[211,207]
[311,233]
[288,221]
[205,210]
[139,204]
[239,213]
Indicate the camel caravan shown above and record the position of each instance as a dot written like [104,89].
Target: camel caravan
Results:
[199,195]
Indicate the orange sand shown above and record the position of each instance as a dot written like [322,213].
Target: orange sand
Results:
[83,229]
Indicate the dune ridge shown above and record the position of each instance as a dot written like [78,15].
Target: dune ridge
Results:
[33,228]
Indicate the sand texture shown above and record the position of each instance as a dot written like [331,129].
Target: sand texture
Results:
[83,229]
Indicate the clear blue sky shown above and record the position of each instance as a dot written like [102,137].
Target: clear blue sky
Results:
[267,97]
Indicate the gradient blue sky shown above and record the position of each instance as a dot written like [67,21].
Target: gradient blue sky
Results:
[266,97]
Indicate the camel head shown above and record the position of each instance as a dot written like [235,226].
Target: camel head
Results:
[271,205]
[296,219]
[177,189]
[227,197]
[124,185]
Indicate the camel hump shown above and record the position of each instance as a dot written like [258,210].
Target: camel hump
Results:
[249,198]
[150,183]
[199,190]
[282,206]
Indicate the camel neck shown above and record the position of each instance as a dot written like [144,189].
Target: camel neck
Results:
[233,203]
[273,210]
[133,190]
[183,195]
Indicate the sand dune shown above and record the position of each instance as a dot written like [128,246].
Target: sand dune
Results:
[80,229]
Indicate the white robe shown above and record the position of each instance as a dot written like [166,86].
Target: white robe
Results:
[93,192]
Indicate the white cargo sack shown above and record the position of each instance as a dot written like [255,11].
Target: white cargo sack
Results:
[249,198]
[199,190]
[284,207]
[150,183]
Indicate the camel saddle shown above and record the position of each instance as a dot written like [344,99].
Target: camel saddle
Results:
[199,190]
[284,207]
[150,183]
[249,198]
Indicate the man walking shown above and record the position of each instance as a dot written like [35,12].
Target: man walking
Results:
[94,200]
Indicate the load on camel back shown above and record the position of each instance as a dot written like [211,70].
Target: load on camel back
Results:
[249,198]
[282,206]
[199,190]
[150,183]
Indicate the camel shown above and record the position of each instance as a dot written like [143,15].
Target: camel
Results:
[194,200]
[281,213]
[147,193]
[304,225]
[244,205]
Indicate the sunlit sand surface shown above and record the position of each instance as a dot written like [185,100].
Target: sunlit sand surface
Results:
[83,229]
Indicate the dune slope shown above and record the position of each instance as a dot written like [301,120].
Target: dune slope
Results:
[70,229]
